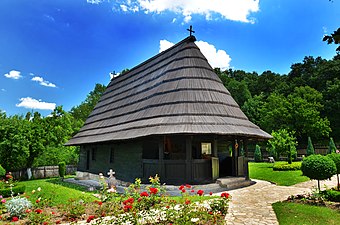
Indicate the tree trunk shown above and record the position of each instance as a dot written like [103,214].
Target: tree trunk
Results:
[319,185]
[337,176]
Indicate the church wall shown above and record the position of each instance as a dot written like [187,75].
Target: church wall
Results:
[124,158]
[128,161]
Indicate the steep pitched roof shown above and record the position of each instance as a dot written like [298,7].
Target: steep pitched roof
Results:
[174,92]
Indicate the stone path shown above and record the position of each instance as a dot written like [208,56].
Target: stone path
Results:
[252,205]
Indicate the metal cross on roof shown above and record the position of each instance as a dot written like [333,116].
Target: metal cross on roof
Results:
[191,30]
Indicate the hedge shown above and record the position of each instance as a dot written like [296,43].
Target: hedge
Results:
[17,189]
[287,166]
[331,195]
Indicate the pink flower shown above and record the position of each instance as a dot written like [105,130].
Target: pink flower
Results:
[3,200]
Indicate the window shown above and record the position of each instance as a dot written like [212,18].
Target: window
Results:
[112,155]
[206,148]
[94,154]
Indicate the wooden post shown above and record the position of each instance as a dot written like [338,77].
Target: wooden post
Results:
[246,167]
[188,158]
[214,152]
[161,157]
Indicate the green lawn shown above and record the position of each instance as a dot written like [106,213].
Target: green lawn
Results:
[264,171]
[56,192]
[295,213]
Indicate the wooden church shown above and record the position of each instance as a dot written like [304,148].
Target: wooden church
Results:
[172,116]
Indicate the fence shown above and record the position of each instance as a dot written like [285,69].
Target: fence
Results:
[44,172]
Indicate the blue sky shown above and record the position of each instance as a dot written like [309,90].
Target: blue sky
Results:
[54,52]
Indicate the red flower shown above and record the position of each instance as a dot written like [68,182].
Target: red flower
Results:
[37,201]
[225,195]
[100,203]
[181,187]
[187,201]
[57,222]
[192,190]
[144,194]
[91,217]
[139,199]
[210,193]
[210,212]
[153,190]
[53,213]
[183,190]
[28,210]
[127,207]
[45,223]
[128,201]
[200,192]
[38,211]
[14,219]
[188,186]
[167,206]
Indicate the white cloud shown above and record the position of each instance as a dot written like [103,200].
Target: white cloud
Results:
[3,89]
[236,10]
[13,74]
[164,45]
[31,103]
[94,1]
[43,82]
[216,58]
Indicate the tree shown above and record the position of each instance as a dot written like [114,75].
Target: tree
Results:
[253,108]
[13,143]
[318,167]
[336,159]
[310,148]
[36,137]
[239,91]
[257,154]
[331,147]
[283,143]
[333,38]
[82,111]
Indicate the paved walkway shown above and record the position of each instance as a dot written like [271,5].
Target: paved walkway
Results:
[252,205]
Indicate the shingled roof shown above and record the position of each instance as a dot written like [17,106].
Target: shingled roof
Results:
[174,92]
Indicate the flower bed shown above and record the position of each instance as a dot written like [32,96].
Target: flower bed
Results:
[136,206]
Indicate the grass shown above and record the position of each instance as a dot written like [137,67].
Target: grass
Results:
[264,171]
[56,192]
[295,213]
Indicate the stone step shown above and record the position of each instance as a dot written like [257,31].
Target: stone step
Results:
[234,182]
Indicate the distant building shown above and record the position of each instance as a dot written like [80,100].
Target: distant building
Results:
[170,115]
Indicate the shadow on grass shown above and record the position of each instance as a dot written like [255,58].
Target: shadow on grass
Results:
[77,187]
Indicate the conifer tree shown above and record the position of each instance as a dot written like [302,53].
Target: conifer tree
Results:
[257,154]
[331,147]
[310,148]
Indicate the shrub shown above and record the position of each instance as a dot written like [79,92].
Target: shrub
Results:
[336,159]
[62,169]
[257,154]
[17,206]
[318,167]
[331,147]
[2,171]
[310,148]
[17,189]
[331,195]
[287,166]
